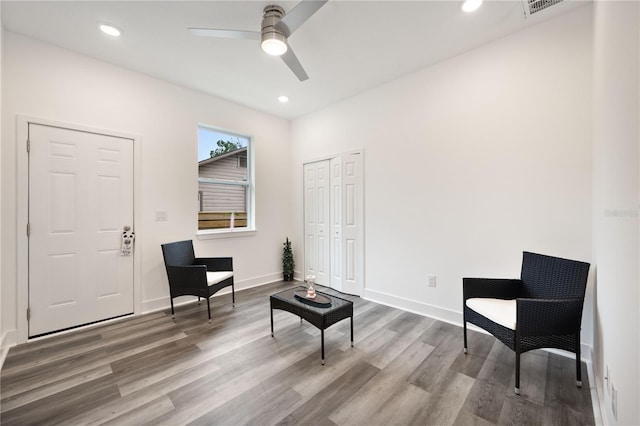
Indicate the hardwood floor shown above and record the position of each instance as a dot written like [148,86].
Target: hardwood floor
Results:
[405,369]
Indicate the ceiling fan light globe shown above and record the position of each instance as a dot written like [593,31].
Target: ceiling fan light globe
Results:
[273,44]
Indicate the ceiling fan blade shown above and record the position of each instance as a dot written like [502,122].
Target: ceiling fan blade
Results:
[236,34]
[294,64]
[299,15]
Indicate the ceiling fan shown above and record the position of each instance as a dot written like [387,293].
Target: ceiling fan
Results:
[276,29]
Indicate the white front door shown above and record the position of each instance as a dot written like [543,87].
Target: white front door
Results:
[80,199]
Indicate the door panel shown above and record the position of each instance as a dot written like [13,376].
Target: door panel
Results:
[317,263]
[322,223]
[80,198]
[336,223]
[310,219]
[353,255]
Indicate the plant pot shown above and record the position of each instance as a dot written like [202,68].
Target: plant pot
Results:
[288,276]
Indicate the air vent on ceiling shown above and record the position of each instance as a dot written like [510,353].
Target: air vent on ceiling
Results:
[535,6]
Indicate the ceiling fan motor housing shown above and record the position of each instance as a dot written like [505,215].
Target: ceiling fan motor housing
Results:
[270,32]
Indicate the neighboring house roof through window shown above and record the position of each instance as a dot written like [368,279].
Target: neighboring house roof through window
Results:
[225,155]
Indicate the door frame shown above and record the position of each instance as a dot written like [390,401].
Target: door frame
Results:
[22,213]
[361,231]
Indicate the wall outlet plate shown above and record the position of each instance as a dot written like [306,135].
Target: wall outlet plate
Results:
[432,280]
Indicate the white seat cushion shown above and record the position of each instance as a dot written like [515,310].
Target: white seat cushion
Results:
[218,276]
[500,311]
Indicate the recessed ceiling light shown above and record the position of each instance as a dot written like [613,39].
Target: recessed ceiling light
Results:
[471,5]
[110,30]
[283,99]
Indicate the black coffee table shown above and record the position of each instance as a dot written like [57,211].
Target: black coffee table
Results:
[320,317]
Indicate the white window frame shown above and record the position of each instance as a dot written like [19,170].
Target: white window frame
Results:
[249,184]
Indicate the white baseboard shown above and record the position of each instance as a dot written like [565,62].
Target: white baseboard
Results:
[597,395]
[409,305]
[450,316]
[162,303]
[9,340]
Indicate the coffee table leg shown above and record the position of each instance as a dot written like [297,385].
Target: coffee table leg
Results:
[272,322]
[352,331]
[322,344]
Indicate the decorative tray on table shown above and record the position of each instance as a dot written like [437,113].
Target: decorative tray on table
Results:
[319,301]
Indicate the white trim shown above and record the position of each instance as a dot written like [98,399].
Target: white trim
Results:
[163,303]
[329,157]
[9,340]
[81,328]
[22,211]
[226,233]
[597,394]
[251,175]
[413,306]
[452,317]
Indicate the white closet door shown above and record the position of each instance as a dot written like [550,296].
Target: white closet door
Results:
[317,250]
[336,223]
[334,229]
[352,224]
[310,240]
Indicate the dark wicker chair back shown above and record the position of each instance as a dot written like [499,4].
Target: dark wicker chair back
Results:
[187,274]
[549,298]
[179,253]
[547,277]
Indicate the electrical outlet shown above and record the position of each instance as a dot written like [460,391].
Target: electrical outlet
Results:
[161,216]
[614,401]
[432,280]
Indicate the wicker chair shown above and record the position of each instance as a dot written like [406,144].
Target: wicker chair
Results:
[543,309]
[196,276]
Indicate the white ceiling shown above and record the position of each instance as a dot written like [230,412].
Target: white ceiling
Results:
[346,48]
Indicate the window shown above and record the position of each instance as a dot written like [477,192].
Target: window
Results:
[225,184]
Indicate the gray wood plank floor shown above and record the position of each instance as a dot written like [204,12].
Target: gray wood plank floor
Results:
[405,369]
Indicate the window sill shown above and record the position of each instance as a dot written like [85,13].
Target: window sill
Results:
[226,233]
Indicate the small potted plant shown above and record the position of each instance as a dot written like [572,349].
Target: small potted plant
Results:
[287,261]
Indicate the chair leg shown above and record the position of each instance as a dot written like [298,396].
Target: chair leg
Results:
[464,327]
[198,300]
[517,389]
[173,314]
[233,295]
[209,310]
[578,366]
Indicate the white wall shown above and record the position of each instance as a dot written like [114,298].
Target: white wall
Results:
[468,163]
[2,328]
[44,81]
[616,190]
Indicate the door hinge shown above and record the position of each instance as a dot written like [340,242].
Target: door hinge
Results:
[28,145]
[28,229]
[28,314]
